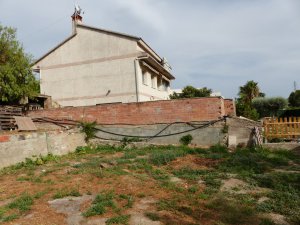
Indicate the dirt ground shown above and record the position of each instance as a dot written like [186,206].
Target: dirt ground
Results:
[65,188]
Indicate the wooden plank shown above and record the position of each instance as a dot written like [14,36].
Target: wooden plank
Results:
[25,123]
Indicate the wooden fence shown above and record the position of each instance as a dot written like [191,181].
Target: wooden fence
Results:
[288,128]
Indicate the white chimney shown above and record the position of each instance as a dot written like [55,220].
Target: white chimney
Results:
[76,18]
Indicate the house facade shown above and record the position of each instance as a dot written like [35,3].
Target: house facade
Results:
[96,66]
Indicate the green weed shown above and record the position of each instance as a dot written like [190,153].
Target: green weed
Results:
[186,140]
[129,198]
[22,203]
[11,217]
[159,158]
[62,193]
[152,216]
[123,219]
[232,212]
[100,204]
[88,129]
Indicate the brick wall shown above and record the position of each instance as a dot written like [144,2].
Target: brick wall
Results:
[229,105]
[185,110]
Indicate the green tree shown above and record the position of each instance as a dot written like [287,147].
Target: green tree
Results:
[16,78]
[244,103]
[294,99]
[192,92]
[267,107]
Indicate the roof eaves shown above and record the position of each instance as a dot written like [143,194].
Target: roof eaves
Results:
[110,32]
[151,49]
[154,62]
[53,49]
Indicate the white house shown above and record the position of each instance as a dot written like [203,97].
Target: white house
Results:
[96,66]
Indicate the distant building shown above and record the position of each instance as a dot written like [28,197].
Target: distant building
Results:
[95,66]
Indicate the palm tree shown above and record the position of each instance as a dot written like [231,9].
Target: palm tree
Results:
[248,92]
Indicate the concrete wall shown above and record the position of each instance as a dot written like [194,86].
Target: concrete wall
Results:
[16,148]
[185,110]
[92,68]
[207,136]
[240,131]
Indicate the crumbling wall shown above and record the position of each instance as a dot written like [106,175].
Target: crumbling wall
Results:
[15,148]
[240,131]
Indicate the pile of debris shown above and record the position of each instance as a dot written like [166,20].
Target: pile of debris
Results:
[12,118]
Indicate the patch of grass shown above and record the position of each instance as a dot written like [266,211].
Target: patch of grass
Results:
[11,217]
[129,198]
[172,186]
[123,219]
[40,194]
[100,204]
[152,216]
[189,174]
[62,193]
[23,203]
[16,208]
[218,148]
[133,153]
[167,204]
[32,179]
[29,164]
[193,189]
[159,174]
[283,202]
[160,158]
[232,212]
[104,149]
[203,196]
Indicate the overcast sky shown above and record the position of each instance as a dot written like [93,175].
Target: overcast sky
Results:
[220,44]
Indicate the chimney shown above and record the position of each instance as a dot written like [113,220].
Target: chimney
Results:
[76,18]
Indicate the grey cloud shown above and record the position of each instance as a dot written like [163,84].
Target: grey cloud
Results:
[214,43]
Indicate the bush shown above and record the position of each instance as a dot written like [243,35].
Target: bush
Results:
[268,107]
[88,129]
[186,140]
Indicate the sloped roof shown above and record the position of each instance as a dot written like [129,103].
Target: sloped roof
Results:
[110,32]
[119,34]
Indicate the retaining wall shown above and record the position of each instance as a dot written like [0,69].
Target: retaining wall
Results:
[204,137]
[15,148]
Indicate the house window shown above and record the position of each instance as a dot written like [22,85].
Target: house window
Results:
[165,85]
[144,76]
[153,82]
[159,84]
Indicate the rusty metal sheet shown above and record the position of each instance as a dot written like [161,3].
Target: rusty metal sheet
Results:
[25,123]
